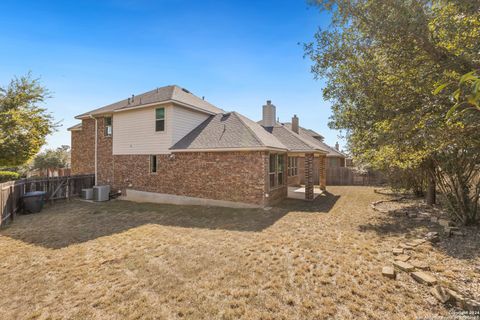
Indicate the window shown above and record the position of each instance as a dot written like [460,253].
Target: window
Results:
[160,119]
[281,169]
[108,126]
[292,166]
[276,171]
[273,169]
[153,164]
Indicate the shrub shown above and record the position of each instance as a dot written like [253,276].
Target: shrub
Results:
[8,176]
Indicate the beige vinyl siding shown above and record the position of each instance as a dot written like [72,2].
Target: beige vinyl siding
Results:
[184,121]
[134,132]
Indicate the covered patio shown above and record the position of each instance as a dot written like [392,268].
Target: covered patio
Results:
[299,192]
[307,178]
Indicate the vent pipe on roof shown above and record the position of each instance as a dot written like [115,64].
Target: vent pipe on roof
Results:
[269,111]
[337,146]
[295,124]
[133,97]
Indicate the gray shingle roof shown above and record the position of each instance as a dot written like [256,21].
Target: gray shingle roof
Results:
[331,152]
[305,131]
[310,136]
[293,141]
[168,93]
[228,131]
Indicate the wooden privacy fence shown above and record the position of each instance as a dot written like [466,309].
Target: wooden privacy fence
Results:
[56,187]
[347,176]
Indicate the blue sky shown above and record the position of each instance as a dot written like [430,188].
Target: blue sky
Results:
[237,54]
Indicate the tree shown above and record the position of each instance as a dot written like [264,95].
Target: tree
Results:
[383,60]
[24,125]
[466,94]
[53,158]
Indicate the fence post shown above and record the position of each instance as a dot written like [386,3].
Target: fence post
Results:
[12,203]
[67,192]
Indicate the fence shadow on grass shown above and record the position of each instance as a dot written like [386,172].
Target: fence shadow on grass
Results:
[398,223]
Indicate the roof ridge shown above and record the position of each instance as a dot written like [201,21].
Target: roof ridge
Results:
[239,116]
[158,95]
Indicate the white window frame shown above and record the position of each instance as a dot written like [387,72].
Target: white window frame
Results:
[292,166]
[162,119]
[276,171]
[108,129]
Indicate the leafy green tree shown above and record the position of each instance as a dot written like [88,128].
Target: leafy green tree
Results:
[53,158]
[382,60]
[466,94]
[24,125]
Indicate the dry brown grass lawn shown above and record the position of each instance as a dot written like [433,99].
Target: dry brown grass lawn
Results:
[121,260]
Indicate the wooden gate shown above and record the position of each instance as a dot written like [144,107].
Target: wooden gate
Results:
[56,187]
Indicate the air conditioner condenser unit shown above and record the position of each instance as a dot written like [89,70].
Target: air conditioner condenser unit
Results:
[101,193]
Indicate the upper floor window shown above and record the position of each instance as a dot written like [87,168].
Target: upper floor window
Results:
[108,126]
[160,119]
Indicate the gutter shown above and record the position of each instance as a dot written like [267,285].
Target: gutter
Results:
[229,149]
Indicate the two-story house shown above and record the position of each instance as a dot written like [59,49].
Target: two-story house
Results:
[168,145]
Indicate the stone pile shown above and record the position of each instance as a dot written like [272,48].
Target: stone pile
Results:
[417,270]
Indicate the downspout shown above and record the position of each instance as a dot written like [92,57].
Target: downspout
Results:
[96,138]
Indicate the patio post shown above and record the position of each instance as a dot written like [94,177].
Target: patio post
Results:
[309,195]
[323,172]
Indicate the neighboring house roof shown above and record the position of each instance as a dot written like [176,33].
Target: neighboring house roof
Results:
[228,131]
[332,152]
[292,140]
[78,126]
[171,93]
[302,131]
[311,135]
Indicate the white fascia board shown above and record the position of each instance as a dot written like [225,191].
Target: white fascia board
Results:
[165,102]
[186,105]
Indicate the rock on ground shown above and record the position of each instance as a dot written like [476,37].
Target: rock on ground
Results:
[424,278]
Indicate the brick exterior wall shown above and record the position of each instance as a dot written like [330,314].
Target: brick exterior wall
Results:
[105,161]
[83,148]
[309,159]
[322,163]
[230,176]
[294,181]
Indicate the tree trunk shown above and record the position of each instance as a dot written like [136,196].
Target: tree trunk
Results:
[431,196]
[431,190]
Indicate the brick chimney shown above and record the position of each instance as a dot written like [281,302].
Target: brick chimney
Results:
[295,123]
[269,114]
[337,146]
